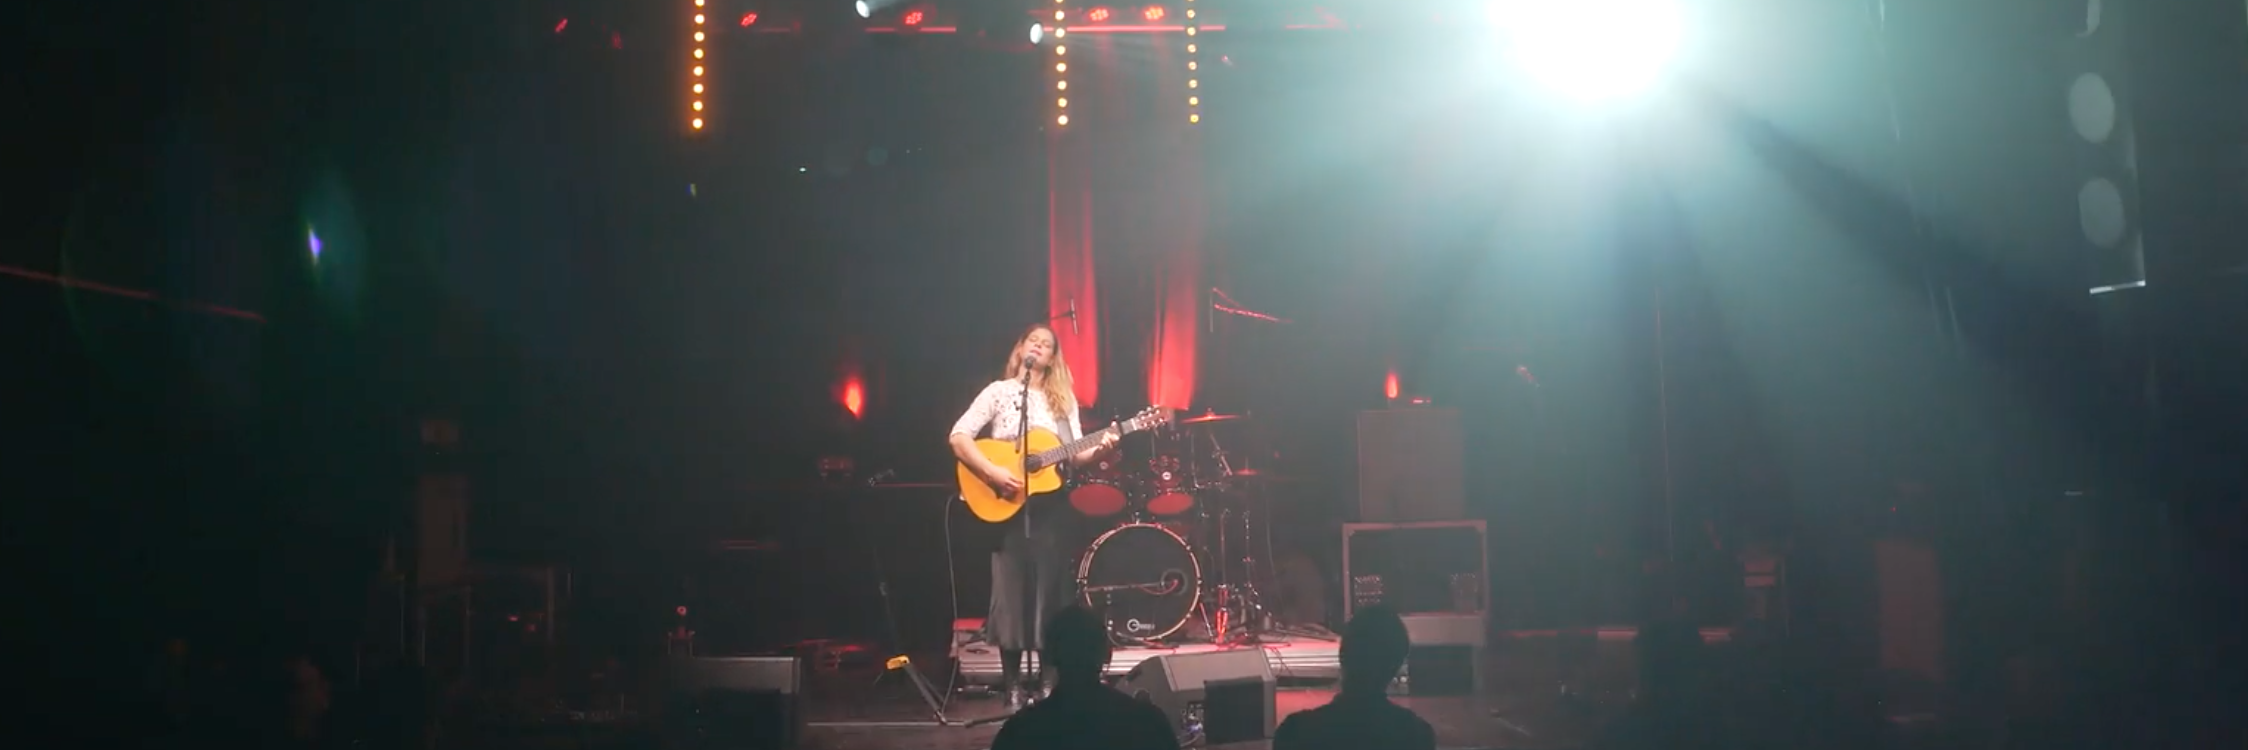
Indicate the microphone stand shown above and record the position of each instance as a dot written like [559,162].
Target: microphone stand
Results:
[1022,447]
[1022,441]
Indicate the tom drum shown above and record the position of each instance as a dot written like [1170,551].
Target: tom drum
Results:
[1172,493]
[1100,490]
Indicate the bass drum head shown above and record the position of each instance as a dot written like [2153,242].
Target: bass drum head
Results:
[1144,581]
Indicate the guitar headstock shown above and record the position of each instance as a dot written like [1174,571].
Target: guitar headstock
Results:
[1148,418]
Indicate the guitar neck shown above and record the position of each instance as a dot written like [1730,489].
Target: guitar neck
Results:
[1060,453]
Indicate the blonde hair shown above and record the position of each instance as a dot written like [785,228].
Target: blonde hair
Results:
[1059,399]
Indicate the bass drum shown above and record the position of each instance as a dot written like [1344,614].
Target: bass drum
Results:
[1100,490]
[1143,579]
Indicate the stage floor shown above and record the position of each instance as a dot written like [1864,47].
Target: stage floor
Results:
[1293,658]
[1490,721]
[853,709]
[853,704]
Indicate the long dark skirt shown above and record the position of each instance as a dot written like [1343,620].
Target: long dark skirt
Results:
[1032,573]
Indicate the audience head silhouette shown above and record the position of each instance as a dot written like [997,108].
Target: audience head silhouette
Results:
[1076,645]
[1374,646]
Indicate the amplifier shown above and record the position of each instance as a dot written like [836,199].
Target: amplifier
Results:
[1434,567]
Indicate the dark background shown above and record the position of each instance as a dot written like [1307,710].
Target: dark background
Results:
[642,332]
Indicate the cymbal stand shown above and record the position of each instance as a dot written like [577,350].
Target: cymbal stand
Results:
[1225,468]
[1233,605]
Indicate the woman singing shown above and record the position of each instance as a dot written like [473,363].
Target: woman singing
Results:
[1030,576]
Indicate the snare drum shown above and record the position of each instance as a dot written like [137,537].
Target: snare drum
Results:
[1099,490]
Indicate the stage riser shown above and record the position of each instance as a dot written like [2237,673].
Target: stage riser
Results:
[1303,660]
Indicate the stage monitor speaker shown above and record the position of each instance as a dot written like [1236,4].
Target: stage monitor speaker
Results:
[1447,653]
[733,703]
[1410,465]
[1226,696]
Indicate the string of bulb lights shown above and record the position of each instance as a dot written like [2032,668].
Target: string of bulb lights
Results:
[1193,66]
[1061,63]
[695,87]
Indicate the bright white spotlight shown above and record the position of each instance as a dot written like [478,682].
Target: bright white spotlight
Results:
[864,11]
[1037,33]
[1590,49]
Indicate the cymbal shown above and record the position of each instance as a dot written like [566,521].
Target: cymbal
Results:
[1252,474]
[1208,417]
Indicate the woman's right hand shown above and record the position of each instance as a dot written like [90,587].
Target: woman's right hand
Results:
[1002,481]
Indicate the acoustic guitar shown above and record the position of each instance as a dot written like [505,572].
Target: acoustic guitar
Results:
[1037,467]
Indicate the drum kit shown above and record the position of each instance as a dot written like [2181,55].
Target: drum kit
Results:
[1187,502]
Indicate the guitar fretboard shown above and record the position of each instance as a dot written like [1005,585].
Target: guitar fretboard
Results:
[1060,453]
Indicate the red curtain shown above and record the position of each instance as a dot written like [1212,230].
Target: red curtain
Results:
[1129,150]
[1070,276]
[1176,333]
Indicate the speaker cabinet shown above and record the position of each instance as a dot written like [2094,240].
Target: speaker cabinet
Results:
[1226,696]
[732,703]
[1410,465]
[1415,568]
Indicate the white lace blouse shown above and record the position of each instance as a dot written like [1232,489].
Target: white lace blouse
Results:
[999,407]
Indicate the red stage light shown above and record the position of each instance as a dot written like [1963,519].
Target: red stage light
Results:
[913,18]
[1389,386]
[1153,13]
[854,397]
[1099,15]
[563,24]
[748,20]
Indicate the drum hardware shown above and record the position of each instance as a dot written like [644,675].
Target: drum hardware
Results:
[1191,505]
[1239,605]
[1158,587]
[1181,471]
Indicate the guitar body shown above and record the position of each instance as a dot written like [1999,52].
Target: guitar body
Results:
[988,504]
[1040,452]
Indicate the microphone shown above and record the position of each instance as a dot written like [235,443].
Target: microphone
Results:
[1073,316]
